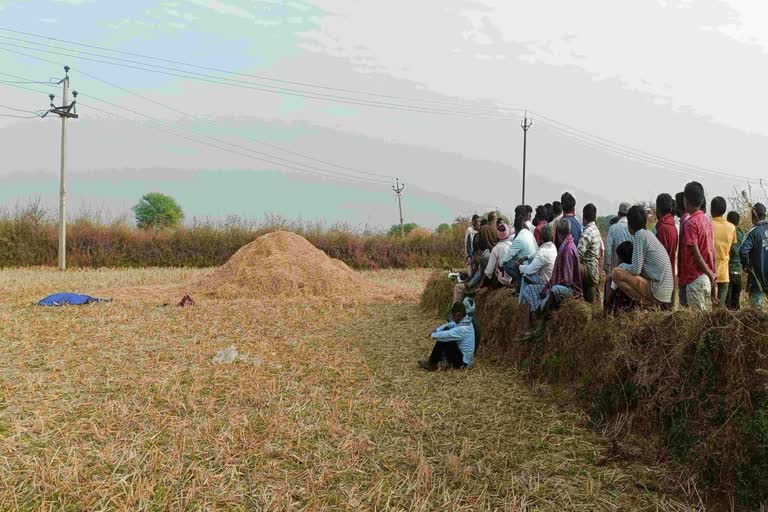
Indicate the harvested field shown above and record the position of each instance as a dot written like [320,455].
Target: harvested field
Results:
[118,406]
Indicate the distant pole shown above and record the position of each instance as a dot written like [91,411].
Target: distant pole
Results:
[398,189]
[66,111]
[525,125]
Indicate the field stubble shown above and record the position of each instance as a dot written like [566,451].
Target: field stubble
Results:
[117,406]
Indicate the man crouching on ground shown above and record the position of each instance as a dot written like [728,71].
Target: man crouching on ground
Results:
[455,341]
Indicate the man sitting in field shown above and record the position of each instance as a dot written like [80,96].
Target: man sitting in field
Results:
[649,280]
[564,283]
[538,270]
[522,248]
[454,341]
[616,300]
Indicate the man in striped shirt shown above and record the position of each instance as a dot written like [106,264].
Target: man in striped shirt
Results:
[649,281]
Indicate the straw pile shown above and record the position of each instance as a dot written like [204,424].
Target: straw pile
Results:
[698,382]
[282,264]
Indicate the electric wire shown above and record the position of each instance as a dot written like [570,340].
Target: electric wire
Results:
[234,73]
[244,152]
[263,88]
[252,139]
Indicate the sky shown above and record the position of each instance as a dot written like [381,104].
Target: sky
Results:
[334,99]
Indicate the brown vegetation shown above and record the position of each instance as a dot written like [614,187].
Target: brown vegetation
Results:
[699,382]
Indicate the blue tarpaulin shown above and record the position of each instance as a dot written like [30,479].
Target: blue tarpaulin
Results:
[60,299]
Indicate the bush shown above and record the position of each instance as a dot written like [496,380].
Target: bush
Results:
[29,237]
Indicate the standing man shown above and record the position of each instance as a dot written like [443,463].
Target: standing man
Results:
[666,231]
[754,256]
[568,202]
[697,252]
[487,231]
[469,237]
[725,239]
[734,265]
[618,233]
[590,253]
[528,215]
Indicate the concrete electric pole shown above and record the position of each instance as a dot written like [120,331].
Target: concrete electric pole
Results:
[65,111]
[398,189]
[525,125]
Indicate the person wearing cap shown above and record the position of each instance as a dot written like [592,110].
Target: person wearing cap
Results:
[618,233]
[497,254]
[754,256]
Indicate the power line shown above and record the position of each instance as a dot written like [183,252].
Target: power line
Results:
[281,161]
[19,109]
[230,72]
[19,117]
[227,150]
[567,128]
[261,87]
[198,118]
[582,136]
[670,166]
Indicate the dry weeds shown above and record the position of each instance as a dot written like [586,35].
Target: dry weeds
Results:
[117,407]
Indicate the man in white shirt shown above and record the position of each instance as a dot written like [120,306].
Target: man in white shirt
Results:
[523,247]
[539,270]
[498,252]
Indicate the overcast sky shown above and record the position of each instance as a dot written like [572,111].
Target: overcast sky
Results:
[629,99]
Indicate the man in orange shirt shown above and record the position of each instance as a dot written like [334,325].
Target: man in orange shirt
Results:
[724,238]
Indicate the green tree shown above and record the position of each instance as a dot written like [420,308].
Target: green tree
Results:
[443,228]
[407,227]
[157,210]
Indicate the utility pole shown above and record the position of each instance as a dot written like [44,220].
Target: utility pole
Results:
[65,111]
[525,125]
[398,189]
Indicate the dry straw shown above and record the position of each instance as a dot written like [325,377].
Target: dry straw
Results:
[697,381]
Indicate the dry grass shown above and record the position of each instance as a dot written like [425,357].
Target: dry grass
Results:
[117,406]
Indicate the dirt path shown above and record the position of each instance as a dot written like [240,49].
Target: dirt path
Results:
[480,439]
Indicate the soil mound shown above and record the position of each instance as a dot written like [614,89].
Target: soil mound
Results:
[283,264]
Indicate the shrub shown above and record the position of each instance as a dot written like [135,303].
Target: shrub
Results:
[29,237]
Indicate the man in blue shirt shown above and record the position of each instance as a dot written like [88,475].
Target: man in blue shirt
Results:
[754,256]
[568,202]
[454,341]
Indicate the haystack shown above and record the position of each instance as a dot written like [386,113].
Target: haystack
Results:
[282,264]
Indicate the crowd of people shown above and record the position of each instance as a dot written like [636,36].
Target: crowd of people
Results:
[687,259]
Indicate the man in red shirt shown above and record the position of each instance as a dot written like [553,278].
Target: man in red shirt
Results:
[666,231]
[696,270]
